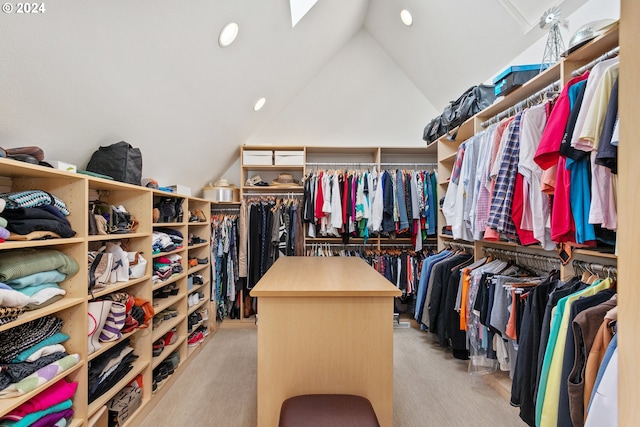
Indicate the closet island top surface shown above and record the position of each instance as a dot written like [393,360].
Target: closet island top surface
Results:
[319,276]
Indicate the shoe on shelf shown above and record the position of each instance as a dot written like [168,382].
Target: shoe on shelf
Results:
[170,337]
[195,240]
[200,215]
[168,366]
[172,312]
[193,262]
[157,320]
[198,279]
[158,347]
[204,330]
[202,261]
[193,299]
[174,359]
[204,312]
[195,339]
[200,296]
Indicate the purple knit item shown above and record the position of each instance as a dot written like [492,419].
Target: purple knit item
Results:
[51,419]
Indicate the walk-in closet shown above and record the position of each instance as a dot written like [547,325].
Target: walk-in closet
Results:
[302,212]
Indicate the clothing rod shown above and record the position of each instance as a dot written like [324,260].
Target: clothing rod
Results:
[264,195]
[514,108]
[520,255]
[588,266]
[352,245]
[410,164]
[460,245]
[340,163]
[612,53]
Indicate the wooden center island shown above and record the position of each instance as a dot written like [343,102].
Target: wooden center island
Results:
[325,326]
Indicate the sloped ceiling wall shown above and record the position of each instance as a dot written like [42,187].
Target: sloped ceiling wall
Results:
[454,45]
[360,97]
[150,72]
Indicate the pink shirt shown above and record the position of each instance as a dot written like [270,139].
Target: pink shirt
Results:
[549,148]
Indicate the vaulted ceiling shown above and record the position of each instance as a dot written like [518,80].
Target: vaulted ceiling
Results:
[150,72]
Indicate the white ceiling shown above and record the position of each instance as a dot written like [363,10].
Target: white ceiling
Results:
[150,72]
[450,48]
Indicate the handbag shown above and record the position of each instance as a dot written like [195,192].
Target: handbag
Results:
[433,130]
[120,161]
[120,270]
[470,103]
[99,269]
[137,265]
[167,207]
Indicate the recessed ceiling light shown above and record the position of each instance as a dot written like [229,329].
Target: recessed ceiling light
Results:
[259,104]
[228,34]
[406,17]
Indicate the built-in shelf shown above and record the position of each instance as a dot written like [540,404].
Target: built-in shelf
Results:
[107,345]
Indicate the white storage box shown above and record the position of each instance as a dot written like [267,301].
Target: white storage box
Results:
[289,158]
[63,166]
[257,157]
[180,189]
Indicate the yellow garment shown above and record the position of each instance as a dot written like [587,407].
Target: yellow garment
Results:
[552,392]
[466,280]
[590,135]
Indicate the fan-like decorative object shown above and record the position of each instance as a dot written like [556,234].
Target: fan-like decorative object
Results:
[555,46]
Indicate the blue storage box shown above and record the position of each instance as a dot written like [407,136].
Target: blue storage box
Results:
[515,76]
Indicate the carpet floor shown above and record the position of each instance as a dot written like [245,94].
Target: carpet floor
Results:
[431,388]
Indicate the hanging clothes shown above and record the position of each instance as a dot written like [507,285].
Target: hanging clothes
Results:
[367,203]
[225,262]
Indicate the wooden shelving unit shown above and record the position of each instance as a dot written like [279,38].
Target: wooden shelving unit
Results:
[75,190]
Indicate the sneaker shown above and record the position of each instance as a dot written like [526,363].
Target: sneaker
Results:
[198,279]
[158,347]
[174,359]
[204,312]
[170,337]
[204,330]
[193,299]
[195,338]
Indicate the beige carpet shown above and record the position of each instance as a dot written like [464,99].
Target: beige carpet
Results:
[431,389]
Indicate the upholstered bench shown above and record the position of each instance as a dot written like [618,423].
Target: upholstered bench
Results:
[327,410]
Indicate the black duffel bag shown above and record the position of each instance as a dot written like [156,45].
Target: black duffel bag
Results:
[120,161]
[433,130]
[471,102]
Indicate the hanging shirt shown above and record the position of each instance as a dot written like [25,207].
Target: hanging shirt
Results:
[472,154]
[595,75]
[607,152]
[578,165]
[549,148]
[500,212]
[377,205]
[481,199]
[336,204]
[603,410]
[452,211]
[603,204]
[549,387]
[535,208]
